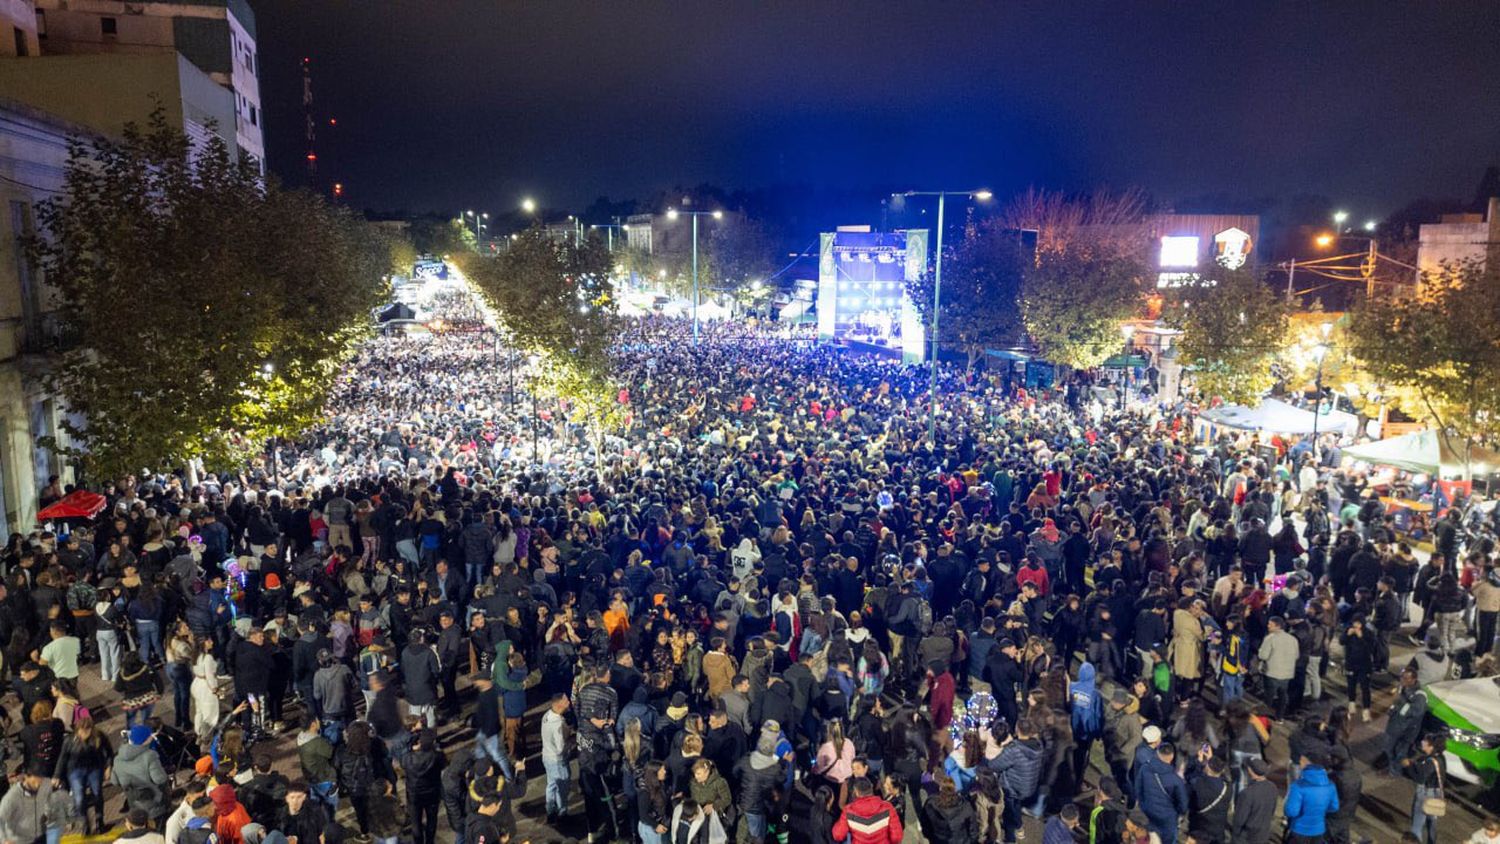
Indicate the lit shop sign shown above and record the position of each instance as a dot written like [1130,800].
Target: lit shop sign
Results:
[1232,248]
[1179,251]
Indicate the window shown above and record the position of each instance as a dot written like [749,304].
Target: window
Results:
[20,41]
[254,118]
[41,23]
[109,26]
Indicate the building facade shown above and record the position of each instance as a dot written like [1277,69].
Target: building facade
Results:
[33,157]
[216,36]
[18,29]
[1460,237]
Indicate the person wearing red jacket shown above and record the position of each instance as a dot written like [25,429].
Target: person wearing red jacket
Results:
[1033,573]
[868,818]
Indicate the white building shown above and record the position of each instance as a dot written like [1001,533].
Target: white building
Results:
[216,36]
[33,156]
[18,29]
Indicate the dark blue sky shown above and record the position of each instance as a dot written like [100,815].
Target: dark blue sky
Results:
[446,104]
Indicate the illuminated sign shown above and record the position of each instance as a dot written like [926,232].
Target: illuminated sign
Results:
[1232,248]
[1179,251]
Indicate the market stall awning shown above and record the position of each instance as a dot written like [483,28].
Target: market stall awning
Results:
[1122,361]
[1426,451]
[1278,417]
[1007,354]
[80,504]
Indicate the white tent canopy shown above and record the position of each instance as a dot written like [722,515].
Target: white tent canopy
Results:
[1278,417]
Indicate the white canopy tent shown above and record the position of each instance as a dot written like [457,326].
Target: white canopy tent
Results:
[1277,417]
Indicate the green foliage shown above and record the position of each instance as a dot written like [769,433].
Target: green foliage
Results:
[1234,327]
[209,311]
[1441,346]
[403,251]
[432,236]
[554,299]
[980,295]
[1074,300]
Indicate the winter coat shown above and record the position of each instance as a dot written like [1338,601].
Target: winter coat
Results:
[950,821]
[138,772]
[1020,768]
[25,817]
[714,790]
[1187,645]
[1162,794]
[1278,655]
[758,775]
[1122,734]
[1254,812]
[869,820]
[316,756]
[1086,705]
[1309,801]
[1209,799]
[420,673]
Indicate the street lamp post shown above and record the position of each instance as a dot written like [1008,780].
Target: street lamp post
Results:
[1320,352]
[609,233]
[672,214]
[1126,331]
[937,293]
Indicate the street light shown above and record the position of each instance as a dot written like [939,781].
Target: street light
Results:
[1338,219]
[982,195]
[1320,352]
[1370,225]
[1127,331]
[673,214]
[528,205]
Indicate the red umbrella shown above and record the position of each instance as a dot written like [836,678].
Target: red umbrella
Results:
[79,504]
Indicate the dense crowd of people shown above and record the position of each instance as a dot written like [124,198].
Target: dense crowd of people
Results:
[774,610]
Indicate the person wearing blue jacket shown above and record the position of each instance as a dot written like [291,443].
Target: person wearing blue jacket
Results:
[1309,801]
[1161,793]
[1086,707]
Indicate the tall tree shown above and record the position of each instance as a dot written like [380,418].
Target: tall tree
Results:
[1440,344]
[208,310]
[1233,326]
[1087,274]
[980,299]
[555,300]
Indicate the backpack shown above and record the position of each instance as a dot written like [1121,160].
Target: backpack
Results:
[1161,677]
[924,617]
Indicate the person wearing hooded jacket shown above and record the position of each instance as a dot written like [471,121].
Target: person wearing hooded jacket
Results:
[30,808]
[137,770]
[1309,801]
[758,775]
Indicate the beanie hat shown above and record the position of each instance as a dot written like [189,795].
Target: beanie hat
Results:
[273,581]
[223,797]
[140,734]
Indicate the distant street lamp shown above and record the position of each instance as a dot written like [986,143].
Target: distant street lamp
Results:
[479,224]
[528,205]
[937,288]
[1338,220]
[673,214]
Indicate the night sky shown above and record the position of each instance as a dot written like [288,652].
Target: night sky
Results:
[450,104]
